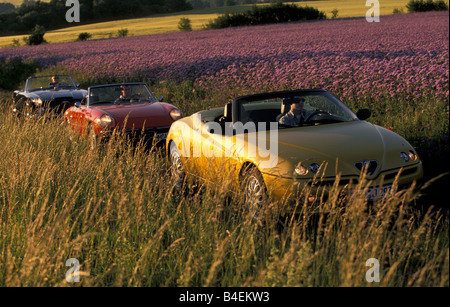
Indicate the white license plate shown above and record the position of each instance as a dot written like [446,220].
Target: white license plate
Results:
[160,136]
[378,192]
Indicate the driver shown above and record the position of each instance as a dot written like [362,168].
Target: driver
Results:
[296,114]
[126,95]
[56,82]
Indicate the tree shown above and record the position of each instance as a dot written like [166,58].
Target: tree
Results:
[177,5]
[36,37]
[184,24]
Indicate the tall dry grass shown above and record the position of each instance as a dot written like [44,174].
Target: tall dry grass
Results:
[116,212]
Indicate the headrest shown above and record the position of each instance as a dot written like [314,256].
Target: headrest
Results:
[227,112]
[285,106]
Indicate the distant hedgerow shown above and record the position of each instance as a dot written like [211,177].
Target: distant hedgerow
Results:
[274,13]
[13,71]
[426,5]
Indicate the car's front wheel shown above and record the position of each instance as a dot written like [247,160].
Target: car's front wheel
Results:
[20,105]
[93,138]
[255,193]
[177,168]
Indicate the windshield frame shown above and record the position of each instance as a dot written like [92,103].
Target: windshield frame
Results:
[50,87]
[239,102]
[89,103]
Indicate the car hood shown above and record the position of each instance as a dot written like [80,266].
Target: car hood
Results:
[340,145]
[137,115]
[51,95]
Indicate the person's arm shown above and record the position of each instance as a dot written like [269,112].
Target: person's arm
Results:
[286,120]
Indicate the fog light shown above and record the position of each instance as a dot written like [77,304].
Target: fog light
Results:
[311,198]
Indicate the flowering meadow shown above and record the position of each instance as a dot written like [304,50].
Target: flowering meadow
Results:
[403,56]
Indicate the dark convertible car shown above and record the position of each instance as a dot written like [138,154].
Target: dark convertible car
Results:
[46,95]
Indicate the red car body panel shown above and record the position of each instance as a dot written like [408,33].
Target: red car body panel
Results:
[127,116]
[130,108]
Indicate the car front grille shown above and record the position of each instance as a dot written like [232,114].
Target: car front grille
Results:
[60,104]
[158,135]
[370,166]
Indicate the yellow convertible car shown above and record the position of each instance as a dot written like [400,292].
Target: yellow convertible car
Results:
[273,144]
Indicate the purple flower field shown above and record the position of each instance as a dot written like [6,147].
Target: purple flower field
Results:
[404,56]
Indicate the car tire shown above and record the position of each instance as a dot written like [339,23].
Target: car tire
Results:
[93,139]
[255,193]
[19,106]
[177,169]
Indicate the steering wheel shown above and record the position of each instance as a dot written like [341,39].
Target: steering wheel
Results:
[315,113]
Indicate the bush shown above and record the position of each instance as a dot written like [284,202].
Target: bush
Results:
[14,71]
[334,13]
[184,24]
[274,13]
[15,43]
[84,36]
[122,32]
[425,6]
[36,37]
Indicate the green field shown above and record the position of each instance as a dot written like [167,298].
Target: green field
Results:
[168,22]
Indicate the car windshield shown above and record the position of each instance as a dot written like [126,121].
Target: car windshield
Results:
[52,83]
[120,93]
[296,109]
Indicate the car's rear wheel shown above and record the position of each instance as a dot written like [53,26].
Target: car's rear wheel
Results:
[255,193]
[177,168]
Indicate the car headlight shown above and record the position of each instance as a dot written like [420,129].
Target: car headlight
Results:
[404,156]
[175,114]
[38,101]
[300,169]
[412,155]
[105,121]
[314,168]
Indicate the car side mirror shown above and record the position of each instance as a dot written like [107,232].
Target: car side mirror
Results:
[77,104]
[363,114]
[160,98]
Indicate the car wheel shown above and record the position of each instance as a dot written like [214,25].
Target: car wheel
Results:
[255,193]
[19,106]
[93,139]
[177,168]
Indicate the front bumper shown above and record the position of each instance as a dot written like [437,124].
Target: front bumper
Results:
[157,135]
[281,188]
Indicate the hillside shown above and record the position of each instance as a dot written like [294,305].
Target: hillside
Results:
[168,22]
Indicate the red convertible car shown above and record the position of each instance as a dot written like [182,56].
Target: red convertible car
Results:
[125,107]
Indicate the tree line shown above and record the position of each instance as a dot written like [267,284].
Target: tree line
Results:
[201,4]
[52,14]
